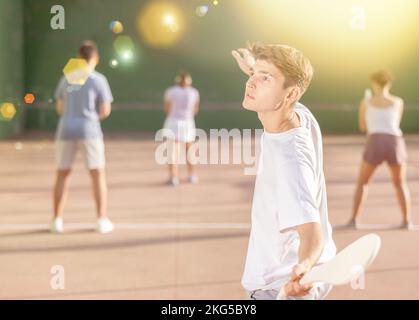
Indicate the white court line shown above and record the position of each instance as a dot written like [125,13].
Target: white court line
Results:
[131,226]
[173,226]
[384,227]
[344,227]
[183,226]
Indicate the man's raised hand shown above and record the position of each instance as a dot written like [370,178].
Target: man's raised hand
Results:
[244,59]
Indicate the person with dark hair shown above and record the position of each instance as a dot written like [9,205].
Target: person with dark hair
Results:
[80,109]
[88,51]
[181,104]
[379,117]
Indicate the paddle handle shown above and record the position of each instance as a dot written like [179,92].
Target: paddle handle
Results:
[281,294]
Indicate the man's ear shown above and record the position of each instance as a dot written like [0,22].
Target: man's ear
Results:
[293,94]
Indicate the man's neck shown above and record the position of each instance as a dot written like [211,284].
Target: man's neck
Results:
[280,120]
[92,66]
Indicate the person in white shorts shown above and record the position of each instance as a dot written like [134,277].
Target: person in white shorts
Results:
[81,108]
[181,104]
[290,230]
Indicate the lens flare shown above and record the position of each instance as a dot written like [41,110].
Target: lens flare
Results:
[168,20]
[342,38]
[113,63]
[7,111]
[160,24]
[124,47]
[29,98]
[201,11]
[76,71]
[116,27]
[127,55]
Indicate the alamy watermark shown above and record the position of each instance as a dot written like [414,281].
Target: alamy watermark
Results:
[221,146]
[57,281]
[358,277]
[57,22]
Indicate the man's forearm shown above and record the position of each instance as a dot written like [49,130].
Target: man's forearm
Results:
[104,111]
[311,244]
[167,107]
[59,107]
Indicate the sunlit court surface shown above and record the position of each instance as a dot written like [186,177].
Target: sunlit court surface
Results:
[183,243]
[100,97]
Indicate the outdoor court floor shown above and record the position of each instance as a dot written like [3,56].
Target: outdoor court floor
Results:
[187,242]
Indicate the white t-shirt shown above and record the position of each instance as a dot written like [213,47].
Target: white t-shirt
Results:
[183,100]
[290,190]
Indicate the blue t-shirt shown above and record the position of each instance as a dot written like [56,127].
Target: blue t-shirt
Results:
[80,119]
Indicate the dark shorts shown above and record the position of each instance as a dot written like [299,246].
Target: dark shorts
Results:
[385,147]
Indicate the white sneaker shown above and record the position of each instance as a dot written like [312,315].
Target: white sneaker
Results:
[174,182]
[104,225]
[193,179]
[352,224]
[407,225]
[57,225]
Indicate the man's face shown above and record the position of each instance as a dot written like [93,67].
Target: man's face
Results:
[265,88]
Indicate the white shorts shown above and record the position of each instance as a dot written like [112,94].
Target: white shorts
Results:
[180,130]
[93,150]
[318,292]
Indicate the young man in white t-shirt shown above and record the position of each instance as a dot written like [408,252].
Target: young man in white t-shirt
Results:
[290,230]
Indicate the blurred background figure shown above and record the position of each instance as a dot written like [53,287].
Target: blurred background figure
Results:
[181,104]
[80,110]
[380,114]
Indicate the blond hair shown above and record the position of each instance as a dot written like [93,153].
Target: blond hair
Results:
[296,67]
[382,78]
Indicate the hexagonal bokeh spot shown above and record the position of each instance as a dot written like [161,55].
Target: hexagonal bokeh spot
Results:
[76,71]
[29,98]
[7,111]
